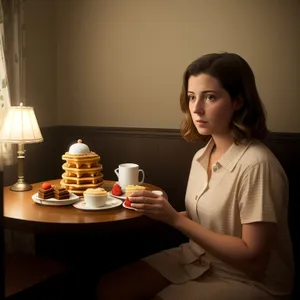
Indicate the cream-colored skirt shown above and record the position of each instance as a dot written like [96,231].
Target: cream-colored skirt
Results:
[212,287]
[196,280]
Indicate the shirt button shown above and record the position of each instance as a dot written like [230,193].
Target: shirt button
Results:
[215,168]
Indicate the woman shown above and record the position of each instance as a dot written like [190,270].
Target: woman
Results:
[236,200]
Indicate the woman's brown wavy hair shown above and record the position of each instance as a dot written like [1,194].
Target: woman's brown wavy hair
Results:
[237,78]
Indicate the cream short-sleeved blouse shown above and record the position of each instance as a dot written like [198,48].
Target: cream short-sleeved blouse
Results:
[247,185]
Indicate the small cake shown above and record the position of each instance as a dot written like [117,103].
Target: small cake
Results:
[61,193]
[133,188]
[46,191]
[116,190]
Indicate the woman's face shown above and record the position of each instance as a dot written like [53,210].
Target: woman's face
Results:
[210,105]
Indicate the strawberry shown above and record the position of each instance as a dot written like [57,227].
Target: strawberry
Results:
[116,190]
[46,186]
[127,202]
[117,186]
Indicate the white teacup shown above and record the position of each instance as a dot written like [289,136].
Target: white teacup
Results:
[95,197]
[128,174]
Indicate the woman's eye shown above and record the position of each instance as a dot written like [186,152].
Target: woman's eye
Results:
[191,97]
[210,97]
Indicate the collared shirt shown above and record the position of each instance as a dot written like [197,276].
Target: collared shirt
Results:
[247,185]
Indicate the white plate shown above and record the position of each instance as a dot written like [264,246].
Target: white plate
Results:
[158,193]
[122,197]
[110,203]
[55,202]
[128,207]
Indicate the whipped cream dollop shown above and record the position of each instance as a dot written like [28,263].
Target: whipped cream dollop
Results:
[79,148]
[95,191]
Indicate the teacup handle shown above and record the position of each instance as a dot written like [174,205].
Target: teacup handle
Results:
[142,171]
[117,172]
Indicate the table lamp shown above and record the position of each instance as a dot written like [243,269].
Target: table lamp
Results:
[20,127]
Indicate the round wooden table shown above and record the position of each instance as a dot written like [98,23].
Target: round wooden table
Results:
[23,214]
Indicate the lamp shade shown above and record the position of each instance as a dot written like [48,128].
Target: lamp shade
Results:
[20,126]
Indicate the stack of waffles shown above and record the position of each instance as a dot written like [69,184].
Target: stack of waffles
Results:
[82,169]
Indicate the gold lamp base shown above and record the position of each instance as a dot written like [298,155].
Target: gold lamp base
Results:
[21,186]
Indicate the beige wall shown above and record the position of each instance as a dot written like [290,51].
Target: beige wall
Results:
[120,62]
[40,43]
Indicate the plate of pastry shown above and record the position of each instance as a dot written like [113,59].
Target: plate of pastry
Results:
[118,193]
[121,196]
[127,204]
[54,195]
[56,202]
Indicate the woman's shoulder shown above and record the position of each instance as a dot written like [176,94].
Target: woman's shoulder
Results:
[258,153]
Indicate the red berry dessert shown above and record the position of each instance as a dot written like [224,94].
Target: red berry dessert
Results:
[46,186]
[116,190]
[127,202]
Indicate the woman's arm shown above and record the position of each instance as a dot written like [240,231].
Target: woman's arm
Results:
[184,213]
[249,254]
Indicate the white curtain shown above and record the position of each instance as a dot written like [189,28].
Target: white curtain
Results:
[6,149]
[12,63]
[14,29]
[12,92]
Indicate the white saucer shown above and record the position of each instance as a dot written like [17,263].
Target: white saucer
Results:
[55,202]
[122,197]
[110,203]
[158,193]
[128,207]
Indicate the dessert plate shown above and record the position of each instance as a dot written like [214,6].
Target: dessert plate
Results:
[55,202]
[128,207]
[159,193]
[123,197]
[110,203]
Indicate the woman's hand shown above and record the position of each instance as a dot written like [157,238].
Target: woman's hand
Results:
[154,206]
